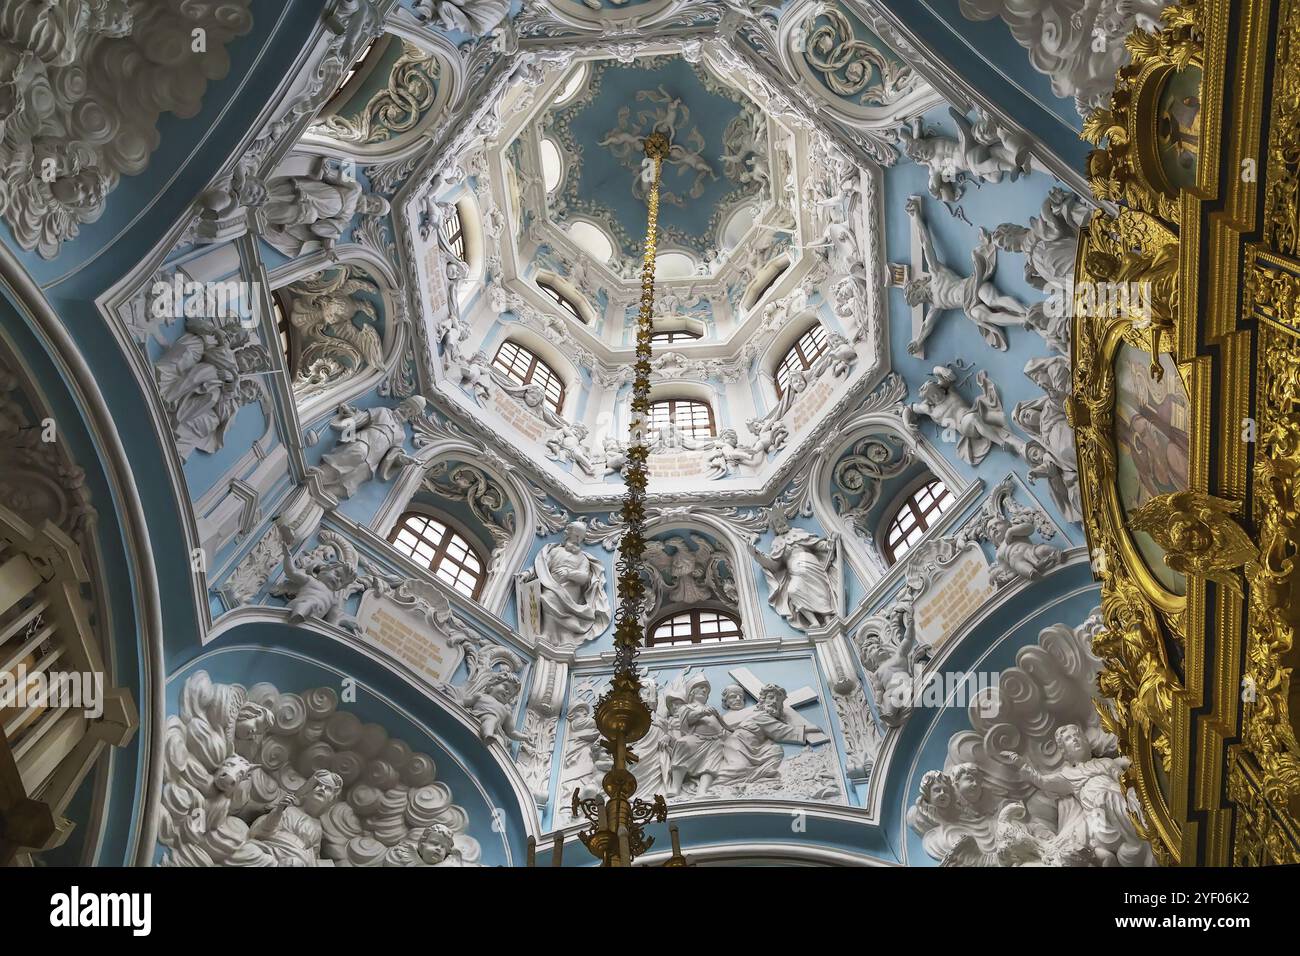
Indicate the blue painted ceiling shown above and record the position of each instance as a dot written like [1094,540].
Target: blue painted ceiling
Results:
[601,179]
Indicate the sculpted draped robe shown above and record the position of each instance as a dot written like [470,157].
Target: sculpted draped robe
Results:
[753,751]
[575,607]
[352,464]
[804,594]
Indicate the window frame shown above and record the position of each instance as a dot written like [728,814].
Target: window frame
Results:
[696,635]
[561,298]
[923,517]
[281,308]
[672,336]
[455,238]
[451,530]
[341,96]
[798,351]
[535,362]
[672,404]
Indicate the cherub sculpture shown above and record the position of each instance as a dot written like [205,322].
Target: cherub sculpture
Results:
[321,591]
[976,428]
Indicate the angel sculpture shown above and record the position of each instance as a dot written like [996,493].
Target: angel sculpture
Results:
[942,289]
[324,308]
[369,446]
[491,690]
[1198,535]
[671,113]
[688,576]
[321,591]
[976,428]
[982,149]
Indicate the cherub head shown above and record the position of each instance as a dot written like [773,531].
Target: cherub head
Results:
[84,189]
[1073,743]
[937,790]
[436,844]
[233,771]
[969,781]
[504,687]
[336,576]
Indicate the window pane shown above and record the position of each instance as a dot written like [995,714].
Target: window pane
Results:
[446,553]
[802,355]
[524,368]
[694,627]
[915,515]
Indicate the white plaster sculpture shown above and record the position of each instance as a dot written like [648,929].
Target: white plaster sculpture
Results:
[1050,450]
[205,377]
[940,289]
[1049,244]
[82,88]
[314,210]
[575,605]
[891,659]
[1079,44]
[737,751]
[976,428]
[475,375]
[257,777]
[1036,781]
[369,446]
[320,587]
[492,690]
[568,442]
[802,573]
[475,17]
[983,149]
[680,575]
[333,348]
[727,454]
[1016,555]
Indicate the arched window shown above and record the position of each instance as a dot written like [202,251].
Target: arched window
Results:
[764,284]
[444,551]
[453,232]
[693,419]
[674,335]
[807,349]
[561,298]
[285,327]
[341,91]
[921,510]
[525,368]
[696,626]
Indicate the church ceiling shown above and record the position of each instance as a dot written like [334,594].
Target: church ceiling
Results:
[412,295]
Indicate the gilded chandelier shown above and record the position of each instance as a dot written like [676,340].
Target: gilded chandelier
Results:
[616,835]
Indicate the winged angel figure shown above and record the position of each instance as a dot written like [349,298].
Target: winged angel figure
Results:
[324,308]
[681,575]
